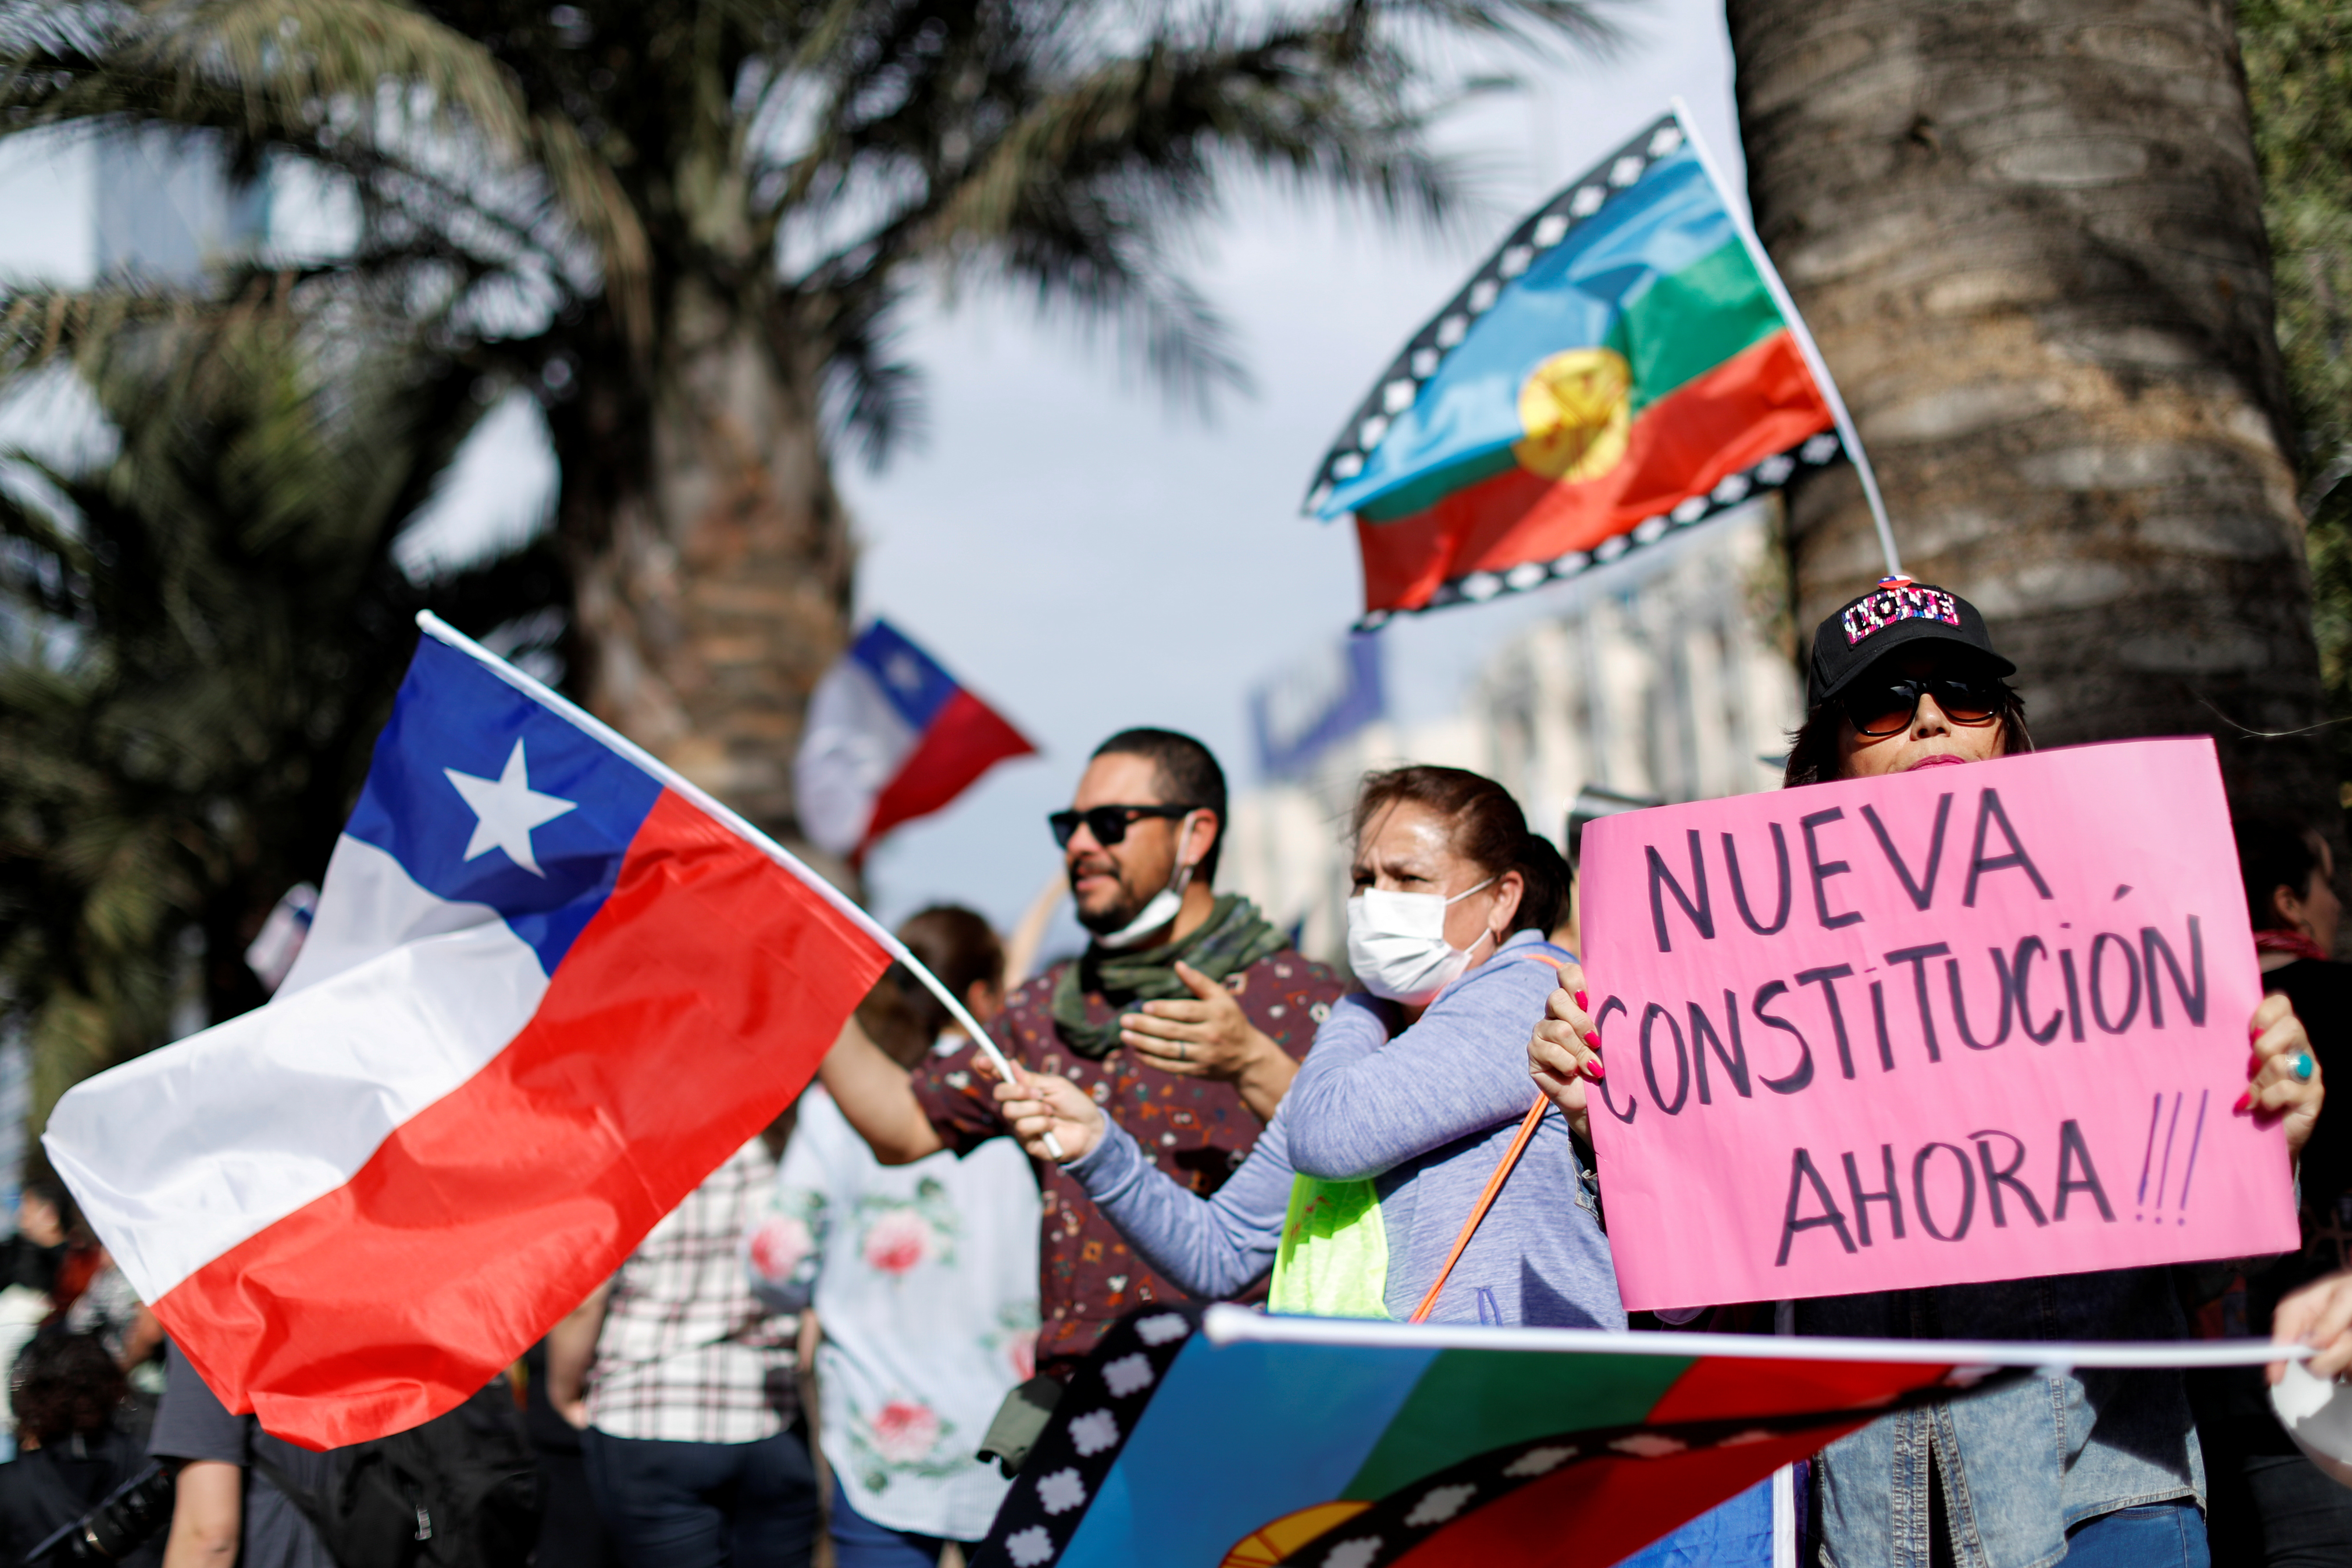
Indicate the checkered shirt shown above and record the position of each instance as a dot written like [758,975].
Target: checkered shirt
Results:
[686,1354]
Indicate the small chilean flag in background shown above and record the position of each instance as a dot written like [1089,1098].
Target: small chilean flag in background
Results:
[548,987]
[891,737]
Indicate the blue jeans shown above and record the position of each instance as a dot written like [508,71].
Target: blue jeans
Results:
[704,1505]
[2154,1535]
[859,1542]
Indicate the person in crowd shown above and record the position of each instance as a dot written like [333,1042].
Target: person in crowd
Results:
[1185,1018]
[2269,1506]
[1405,1106]
[571,1532]
[2096,1469]
[682,1385]
[83,1259]
[66,1394]
[29,1261]
[923,1278]
[30,1257]
[2290,878]
[1411,1094]
[111,1310]
[226,1507]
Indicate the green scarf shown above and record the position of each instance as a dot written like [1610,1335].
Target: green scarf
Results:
[1233,936]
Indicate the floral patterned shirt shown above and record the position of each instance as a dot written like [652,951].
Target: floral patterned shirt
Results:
[1197,1131]
[924,1279]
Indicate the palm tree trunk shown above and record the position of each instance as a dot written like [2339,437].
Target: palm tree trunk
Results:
[711,556]
[2029,240]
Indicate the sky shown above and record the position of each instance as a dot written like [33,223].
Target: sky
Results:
[1087,561]
[1083,555]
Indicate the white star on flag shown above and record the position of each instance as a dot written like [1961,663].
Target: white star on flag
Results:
[505,809]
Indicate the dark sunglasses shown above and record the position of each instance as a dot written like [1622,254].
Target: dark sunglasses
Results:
[1108,823]
[1883,708]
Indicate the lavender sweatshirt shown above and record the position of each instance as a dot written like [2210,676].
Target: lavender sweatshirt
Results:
[1426,1114]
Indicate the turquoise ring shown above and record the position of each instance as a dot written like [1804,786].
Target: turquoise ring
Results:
[2303,1065]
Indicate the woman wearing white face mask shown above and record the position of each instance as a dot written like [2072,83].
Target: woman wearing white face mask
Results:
[1358,1188]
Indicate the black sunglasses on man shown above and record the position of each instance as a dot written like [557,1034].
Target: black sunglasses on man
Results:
[1108,824]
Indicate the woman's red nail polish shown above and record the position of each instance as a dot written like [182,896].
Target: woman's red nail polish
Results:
[2245,1102]
[1582,1005]
[1593,1040]
[1595,1071]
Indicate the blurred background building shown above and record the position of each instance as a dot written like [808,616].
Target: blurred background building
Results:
[1672,676]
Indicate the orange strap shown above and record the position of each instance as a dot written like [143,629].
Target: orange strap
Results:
[1486,1201]
[1493,1187]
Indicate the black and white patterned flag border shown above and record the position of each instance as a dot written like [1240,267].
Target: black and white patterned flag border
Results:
[1734,490]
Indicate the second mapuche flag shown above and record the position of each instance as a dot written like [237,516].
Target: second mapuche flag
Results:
[550,986]
[1623,364]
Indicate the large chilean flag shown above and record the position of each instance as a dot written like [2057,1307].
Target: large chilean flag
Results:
[550,987]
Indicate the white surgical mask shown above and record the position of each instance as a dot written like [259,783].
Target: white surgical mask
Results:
[1160,910]
[1397,946]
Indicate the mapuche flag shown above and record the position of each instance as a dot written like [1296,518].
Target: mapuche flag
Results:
[1626,363]
[1220,1437]
[548,987]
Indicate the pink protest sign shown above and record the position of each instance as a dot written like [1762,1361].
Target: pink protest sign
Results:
[1962,1024]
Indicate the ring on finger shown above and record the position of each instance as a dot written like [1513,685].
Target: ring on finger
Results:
[1184,1053]
[2303,1065]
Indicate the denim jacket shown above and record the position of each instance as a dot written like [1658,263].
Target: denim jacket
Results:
[2023,1464]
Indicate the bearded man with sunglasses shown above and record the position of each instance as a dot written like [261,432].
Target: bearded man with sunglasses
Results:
[1185,1020]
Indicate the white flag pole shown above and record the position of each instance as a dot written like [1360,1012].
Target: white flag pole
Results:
[442,631]
[1742,226]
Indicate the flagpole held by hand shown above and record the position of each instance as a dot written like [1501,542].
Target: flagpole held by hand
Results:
[987,1047]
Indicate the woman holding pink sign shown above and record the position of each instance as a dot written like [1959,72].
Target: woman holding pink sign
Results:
[2093,1468]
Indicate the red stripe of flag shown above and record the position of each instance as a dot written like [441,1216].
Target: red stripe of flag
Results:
[965,739]
[1761,401]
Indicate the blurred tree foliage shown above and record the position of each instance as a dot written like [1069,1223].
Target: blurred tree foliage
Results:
[200,634]
[2298,56]
[689,228]
[692,227]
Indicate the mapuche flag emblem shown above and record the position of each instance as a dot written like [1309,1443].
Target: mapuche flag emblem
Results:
[1624,364]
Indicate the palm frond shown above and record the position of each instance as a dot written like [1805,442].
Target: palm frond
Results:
[385,90]
[872,396]
[589,190]
[1051,151]
[271,68]
[1539,26]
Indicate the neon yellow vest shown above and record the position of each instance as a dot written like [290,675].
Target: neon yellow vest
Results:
[1334,1257]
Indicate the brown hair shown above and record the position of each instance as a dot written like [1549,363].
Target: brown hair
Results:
[64,1384]
[888,1017]
[2274,852]
[1490,831]
[1187,775]
[958,945]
